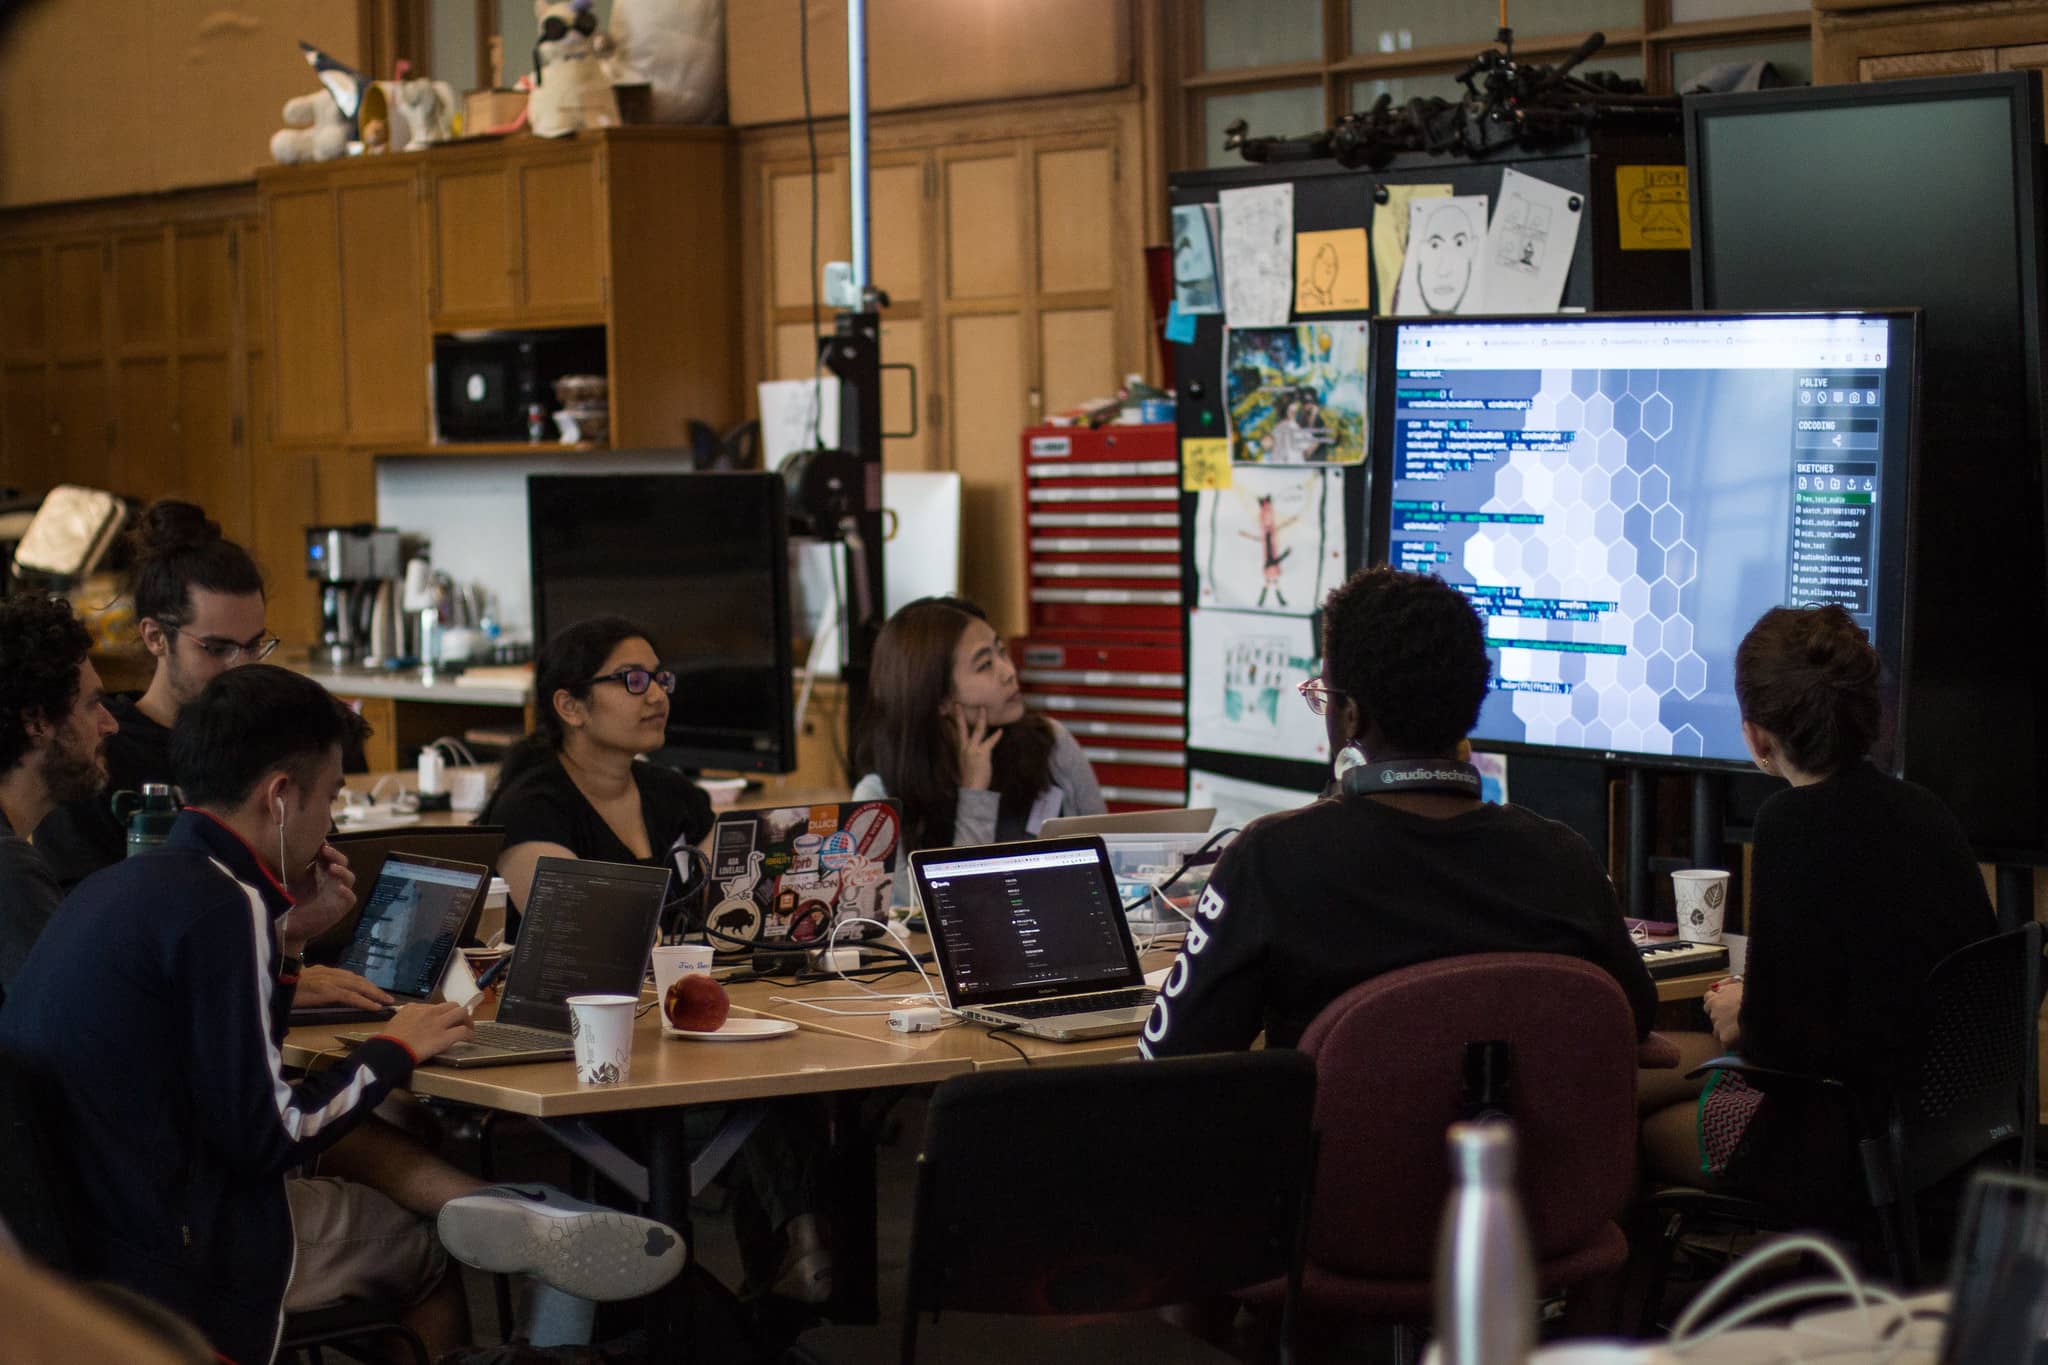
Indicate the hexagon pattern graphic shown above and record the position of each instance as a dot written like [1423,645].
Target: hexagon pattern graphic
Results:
[1611,526]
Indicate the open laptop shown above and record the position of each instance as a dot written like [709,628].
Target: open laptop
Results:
[1032,936]
[1194,820]
[588,930]
[417,911]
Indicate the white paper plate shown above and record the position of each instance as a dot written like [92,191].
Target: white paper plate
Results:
[737,1029]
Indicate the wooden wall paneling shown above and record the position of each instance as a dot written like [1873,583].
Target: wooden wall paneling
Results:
[562,259]
[1077,356]
[984,219]
[985,357]
[903,342]
[26,459]
[80,424]
[789,229]
[204,288]
[1076,197]
[302,237]
[673,242]
[284,488]
[211,459]
[473,236]
[78,305]
[142,291]
[345,486]
[144,454]
[1942,39]
[1915,65]
[24,301]
[898,227]
[384,326]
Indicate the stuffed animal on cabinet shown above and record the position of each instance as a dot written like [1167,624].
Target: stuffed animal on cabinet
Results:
[572,89]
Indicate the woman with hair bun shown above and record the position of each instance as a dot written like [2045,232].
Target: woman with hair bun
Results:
[199,608]
[1860,884]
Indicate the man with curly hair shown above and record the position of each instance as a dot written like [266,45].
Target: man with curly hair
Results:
[1402,863]
[53,733]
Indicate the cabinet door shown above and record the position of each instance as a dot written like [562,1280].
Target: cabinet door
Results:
[26,461]
[474,265]
[384,326]
[304,291]
[80,427]
[561,237]
[24,303]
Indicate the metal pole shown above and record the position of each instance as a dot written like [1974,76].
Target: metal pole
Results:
[857,139]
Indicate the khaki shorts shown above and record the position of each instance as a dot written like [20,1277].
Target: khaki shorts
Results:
[355,1243]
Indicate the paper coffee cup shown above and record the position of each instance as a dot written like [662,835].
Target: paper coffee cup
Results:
[672,961]
[1702,902]
[602,1026]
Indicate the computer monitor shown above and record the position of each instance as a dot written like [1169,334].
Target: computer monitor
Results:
[1622,496]
[702,561]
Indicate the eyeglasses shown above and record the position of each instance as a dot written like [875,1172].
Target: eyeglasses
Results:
[1319,695]
[553,28]
[638,680]
[232,652]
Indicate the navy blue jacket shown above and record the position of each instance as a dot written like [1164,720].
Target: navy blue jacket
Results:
[154,1001]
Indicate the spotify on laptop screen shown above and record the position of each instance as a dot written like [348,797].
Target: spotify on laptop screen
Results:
[1622,497]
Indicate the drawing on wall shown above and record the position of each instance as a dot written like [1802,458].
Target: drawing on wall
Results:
[1237,802]
[1296,395]
[1243,668]
[1440,274]
[1529,246]
[1194,261]
[1331,272]
[1271,541]
[1258,254]
[1390,235]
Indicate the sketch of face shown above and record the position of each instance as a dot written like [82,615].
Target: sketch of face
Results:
[1444,267]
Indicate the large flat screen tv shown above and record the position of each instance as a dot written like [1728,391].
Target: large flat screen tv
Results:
[1621,496]
[700,560]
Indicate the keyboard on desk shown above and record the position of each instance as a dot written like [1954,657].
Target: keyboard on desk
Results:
[1677,957]
[1079,1004]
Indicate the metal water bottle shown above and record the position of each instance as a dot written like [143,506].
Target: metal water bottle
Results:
[148,817]
[1485,1284]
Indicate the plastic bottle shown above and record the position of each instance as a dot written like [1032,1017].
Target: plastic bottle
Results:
[148,817]
[1485,1283]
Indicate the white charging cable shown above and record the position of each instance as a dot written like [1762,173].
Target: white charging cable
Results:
[1888,1332]
[823,1004]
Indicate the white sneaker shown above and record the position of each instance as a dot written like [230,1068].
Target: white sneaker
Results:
[582,1249]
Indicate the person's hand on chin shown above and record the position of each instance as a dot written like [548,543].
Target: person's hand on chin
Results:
[321,893]
[975,746]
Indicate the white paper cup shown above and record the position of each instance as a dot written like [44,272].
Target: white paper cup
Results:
[672,961]
[1702,902]
[602,1026]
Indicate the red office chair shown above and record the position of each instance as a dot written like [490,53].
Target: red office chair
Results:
[1390,1062]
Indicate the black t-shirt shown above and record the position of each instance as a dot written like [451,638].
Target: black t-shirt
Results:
[1308,903]
[542,805]
[80,837]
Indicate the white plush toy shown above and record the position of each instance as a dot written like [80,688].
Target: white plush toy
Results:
[677,47]
[314,130]
[427,109]
[572,89]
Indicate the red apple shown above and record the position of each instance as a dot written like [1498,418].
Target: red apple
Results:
[696,1004]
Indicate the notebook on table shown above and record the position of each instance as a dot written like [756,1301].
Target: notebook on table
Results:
[589,929]
[417,911]
[1032,937]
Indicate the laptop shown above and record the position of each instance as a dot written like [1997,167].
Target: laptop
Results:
[794,872]
[589,930]
[1031,936]
[417,911]
[1194,820]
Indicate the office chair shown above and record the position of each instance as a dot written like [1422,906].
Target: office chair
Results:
[1390,1058]
[1969,1088]
[1079,1192]
[37,1197]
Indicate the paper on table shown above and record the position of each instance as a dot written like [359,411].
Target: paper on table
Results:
[1440,273]
[1258,254]
[797,414]
[1390,235]
[1271,540]
[1242,671]
[1330,273]
[1195,288]
[1529,246]
[1237,802]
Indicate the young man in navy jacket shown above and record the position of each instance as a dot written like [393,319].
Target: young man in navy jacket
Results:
[157,1001]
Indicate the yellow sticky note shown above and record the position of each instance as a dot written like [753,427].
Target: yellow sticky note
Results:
[1390,234]
[1330,271]
[1656,208]
[1204,464]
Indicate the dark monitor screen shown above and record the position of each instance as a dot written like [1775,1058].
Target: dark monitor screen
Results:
[589,929]
[702,561]
[1012,921]
[1621,497]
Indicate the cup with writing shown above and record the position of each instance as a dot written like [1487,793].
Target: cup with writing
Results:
[678,959]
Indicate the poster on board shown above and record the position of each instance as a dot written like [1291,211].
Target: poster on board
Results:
[1296,395]
[1243,668]
[1440,275]
[1272,540]
[1237,802]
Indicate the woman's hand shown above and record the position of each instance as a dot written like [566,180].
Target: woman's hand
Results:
[1724,1009]
[974,745]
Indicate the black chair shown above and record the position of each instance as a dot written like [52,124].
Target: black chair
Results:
[1078,1192]
[366,851]
[37,1199]
[1968,1091]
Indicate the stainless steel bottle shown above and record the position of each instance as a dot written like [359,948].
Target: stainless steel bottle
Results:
[1485,1283]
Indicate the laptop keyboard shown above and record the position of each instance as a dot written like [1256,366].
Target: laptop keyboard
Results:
[1076,1004]
[516,1038]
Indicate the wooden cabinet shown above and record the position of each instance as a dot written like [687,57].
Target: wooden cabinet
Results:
[1014,268]
[518,239]
[1858,40]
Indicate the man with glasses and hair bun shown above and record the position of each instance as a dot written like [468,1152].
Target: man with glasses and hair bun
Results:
[199,608]
[1401,863]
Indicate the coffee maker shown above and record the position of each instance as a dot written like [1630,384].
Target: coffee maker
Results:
[351,563]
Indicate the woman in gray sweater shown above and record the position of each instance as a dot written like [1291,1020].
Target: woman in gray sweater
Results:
[947,734]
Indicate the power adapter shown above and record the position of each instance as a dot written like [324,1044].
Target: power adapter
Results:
[920,1020]
[779,961]
[838,959]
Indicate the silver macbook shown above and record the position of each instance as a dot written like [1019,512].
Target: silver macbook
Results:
[588,930]
[416,912]
[1032,937]
[1193,820]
